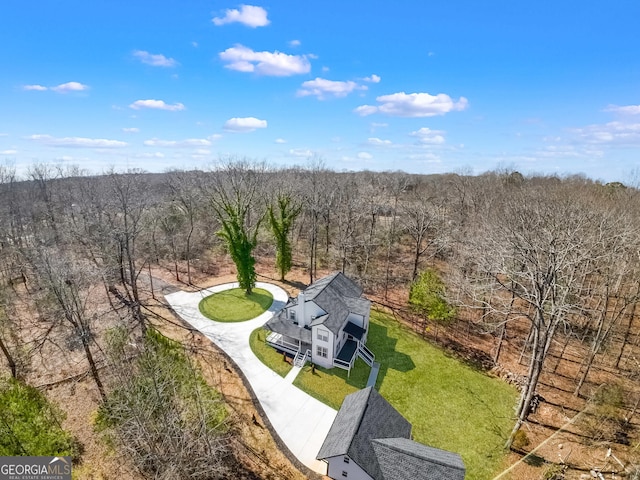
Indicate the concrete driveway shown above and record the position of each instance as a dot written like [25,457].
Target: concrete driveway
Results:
[302,422]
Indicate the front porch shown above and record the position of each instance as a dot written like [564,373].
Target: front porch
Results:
[286,344]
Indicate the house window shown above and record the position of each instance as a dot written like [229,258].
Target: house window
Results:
[346,459]
[344,474]
[322,352]
[292,315]
[323,335]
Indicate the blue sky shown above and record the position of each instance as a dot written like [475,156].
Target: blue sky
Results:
[425,87]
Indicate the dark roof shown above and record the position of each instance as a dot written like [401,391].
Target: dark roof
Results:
[404,459]
[279,323]
[377,437]
[336,280]
[354,330]
[338,296]
[364,415]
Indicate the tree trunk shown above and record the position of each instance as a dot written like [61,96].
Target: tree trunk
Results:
[92,366]
[12,364]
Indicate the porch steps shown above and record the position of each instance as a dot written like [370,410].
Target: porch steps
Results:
[300,359]
[365,354]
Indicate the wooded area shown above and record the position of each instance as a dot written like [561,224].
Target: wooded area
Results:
[541,274]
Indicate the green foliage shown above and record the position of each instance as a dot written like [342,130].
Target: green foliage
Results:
[520,440]
[555,472]
[281,222]
[235,305]
[240,243]
[427,297]
[29,424]
[163,413]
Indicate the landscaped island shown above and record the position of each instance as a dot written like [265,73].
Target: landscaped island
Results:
[235,305]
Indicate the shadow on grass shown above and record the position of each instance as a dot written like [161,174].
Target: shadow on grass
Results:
[384,348]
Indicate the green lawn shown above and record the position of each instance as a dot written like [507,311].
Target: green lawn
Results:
[266,354]
[450,405]
[235,306]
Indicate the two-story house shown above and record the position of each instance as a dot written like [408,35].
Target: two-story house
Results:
[327,323]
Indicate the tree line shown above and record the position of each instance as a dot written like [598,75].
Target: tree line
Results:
[557,254]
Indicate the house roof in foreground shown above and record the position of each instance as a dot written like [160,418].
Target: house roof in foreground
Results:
[404,459]
[377,437]
[364,415]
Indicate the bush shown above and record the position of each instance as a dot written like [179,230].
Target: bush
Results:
[555,472]
[604,418]
[30,425]
[520,440]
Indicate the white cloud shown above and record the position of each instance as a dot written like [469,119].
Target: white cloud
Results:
[157,105]
[131,130]
[202,151]
[155,60]
[372,79]
[300,152]
[8,152]
[149,155]
[189,142]
[364,110]
[427,136]
[76,142]
[322,88]
[295,43]
[413,105]
[276,64]
[244,125]
[625,109]
[378,142]
[70,87]
[280,140]
[248,15]
[194,44]
[364,156]
[619,133]
[37,88]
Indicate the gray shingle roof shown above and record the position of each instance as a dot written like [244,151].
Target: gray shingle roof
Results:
[337,295]
[281,324]
[377,437]
[364,415]
[404,459]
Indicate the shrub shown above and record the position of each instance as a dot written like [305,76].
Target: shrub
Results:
[30,424]
[520,440]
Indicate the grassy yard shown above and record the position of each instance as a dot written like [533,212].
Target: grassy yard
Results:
[450,405]
[235,306]
[266,354]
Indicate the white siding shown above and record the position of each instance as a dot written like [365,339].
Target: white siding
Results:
[353,470]
[323,362]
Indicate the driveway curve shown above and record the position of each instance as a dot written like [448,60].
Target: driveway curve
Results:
[301,421]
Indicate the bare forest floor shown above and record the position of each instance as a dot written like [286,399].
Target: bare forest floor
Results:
[63,377]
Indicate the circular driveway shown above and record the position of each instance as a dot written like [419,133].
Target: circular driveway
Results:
[301,421]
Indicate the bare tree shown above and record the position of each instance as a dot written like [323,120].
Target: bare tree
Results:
[422,221]
[66,283]
[535,246]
